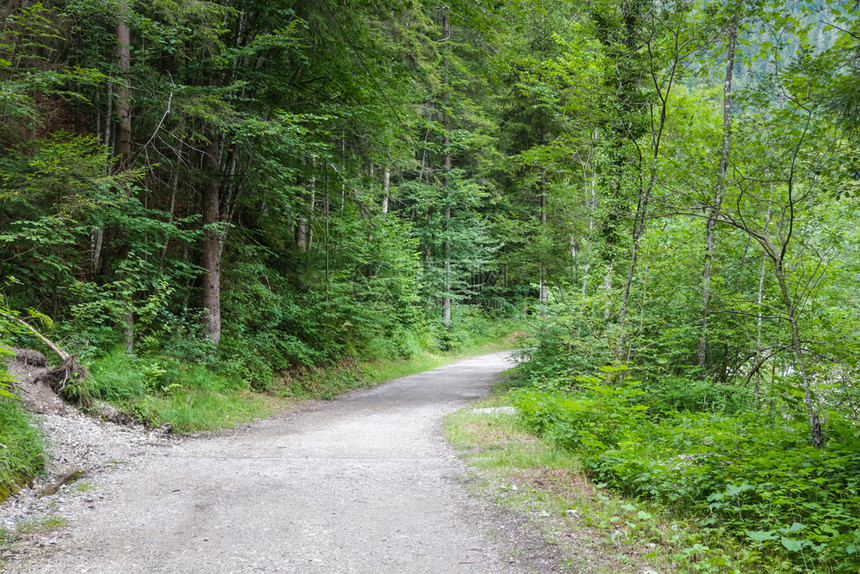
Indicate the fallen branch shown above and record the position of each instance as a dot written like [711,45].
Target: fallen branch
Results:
[55,377]
[63,355]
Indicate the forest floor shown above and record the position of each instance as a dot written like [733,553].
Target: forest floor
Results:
[365,483]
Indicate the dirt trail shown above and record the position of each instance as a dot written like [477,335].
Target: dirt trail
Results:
[364,484]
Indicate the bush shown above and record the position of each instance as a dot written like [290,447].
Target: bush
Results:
[752,474]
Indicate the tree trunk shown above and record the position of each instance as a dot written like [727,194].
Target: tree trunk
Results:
[638,230]
[446,145]
[311,208]
[797,346]
[759,301]
[543,292]
[211,259]
[122,132]
[592,209]
[718,200]
[386,188]
[171,210]
[301,224]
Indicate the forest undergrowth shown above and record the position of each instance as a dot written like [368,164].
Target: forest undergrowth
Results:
[752,493]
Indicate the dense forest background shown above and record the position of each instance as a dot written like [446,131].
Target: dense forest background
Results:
[666,190]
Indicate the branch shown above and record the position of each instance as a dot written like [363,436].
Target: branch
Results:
[63,355]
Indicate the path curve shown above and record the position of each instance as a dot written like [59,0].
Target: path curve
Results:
[363,484]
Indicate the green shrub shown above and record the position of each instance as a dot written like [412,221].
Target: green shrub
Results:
[752,474]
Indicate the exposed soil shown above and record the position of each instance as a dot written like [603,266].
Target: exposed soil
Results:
[82,449]
[365,483]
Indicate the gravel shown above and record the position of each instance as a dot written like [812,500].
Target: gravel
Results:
[365,483]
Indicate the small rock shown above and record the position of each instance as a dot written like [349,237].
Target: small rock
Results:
[497,410]
[52,541]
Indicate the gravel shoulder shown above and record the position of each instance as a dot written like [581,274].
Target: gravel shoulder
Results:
[365,483]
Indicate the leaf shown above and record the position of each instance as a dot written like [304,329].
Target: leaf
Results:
[796,527]
[761,536]
[792,545]
[733,489]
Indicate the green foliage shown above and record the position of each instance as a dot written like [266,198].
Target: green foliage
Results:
[751,474]
[5,378]
[22,455]
[593,418]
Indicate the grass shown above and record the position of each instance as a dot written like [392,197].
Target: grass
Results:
[591,526]
[200,410]
[191,398]
[42,525]
[22,451]
[381,371]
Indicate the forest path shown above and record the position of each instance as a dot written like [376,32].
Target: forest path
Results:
[363,484]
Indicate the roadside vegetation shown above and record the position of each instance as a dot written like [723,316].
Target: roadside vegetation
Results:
[678,476]
[22,456]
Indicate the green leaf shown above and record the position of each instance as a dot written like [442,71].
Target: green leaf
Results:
[792,545]
[761,536]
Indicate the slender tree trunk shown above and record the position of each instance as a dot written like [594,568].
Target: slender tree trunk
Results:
[592,206]
[759,300]
[543,292]
[343,171]
[607,290]
[174,186]
[797,346]
[312,207]
[97,232]
[446,145]
[386,188]
[211,259]
[122,132]
[638,230]
[301,220]
[718,200]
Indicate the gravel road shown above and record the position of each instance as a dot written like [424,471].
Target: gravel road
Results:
[363,484]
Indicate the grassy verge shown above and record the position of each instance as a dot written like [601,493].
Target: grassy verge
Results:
[21,448]
[158,390]
[380,371]
[596,530]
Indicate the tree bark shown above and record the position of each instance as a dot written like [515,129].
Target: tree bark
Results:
[122,132]
[543,293]
[446,145]
[211,259]
[797,346]
[718,199]
[386,187]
